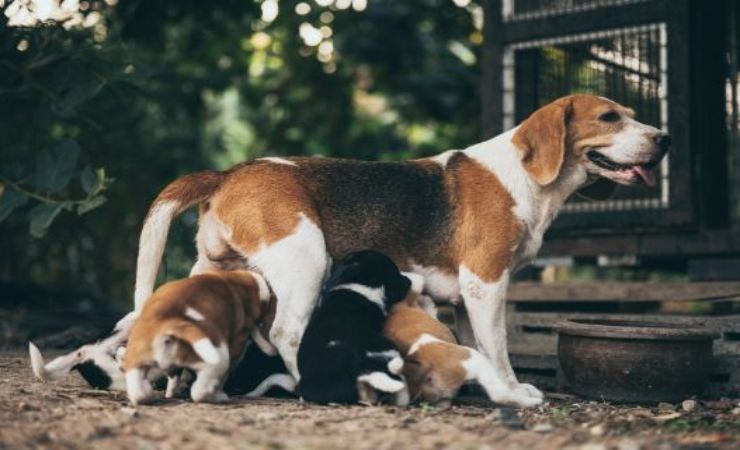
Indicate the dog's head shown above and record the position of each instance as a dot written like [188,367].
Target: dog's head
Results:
[591,135]
[374,270]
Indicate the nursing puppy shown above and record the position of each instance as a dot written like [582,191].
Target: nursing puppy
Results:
[343,357]
[435,366]
[201,323]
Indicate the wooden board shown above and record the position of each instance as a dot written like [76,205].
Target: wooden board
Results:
[624,291]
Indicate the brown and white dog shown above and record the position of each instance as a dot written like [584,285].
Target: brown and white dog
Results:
[201,323]
[465,220]
[435,366]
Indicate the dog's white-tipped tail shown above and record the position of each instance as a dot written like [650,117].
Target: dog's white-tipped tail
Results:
[173,200]
[281,380]
[151,248]
[382,382]
[207,351]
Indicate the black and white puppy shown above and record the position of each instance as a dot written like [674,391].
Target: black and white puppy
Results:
[343,356]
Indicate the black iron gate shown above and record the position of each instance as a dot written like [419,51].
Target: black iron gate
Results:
[651,55]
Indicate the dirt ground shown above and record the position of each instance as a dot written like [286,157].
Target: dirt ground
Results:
[66,414]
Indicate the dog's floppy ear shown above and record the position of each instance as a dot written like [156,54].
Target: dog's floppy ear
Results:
[542,139]
[601,189]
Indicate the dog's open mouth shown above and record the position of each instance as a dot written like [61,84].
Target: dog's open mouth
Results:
[641,172]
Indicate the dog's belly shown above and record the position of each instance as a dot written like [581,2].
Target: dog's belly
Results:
[442,285]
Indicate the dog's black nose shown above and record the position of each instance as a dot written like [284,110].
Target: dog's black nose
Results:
[663,140]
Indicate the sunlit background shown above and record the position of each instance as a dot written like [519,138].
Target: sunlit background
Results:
[104,102]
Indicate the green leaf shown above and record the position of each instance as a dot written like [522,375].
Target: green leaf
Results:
[9,201]
[89,180]
[90,204]
[42,216]
[55,168]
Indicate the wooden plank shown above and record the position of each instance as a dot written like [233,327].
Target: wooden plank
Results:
[623,291]
[588,243]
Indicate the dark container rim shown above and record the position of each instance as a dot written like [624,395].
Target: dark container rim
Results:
[634,330]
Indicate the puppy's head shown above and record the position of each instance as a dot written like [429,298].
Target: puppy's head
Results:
[593,136]
[374,270]
[428,385]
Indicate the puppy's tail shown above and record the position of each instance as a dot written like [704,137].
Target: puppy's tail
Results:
[281,380]
[178,196]
[56,369]
[179,331]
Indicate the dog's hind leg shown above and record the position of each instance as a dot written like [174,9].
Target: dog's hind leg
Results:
[295,267]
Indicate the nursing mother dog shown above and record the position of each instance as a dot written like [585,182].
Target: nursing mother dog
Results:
[465,220]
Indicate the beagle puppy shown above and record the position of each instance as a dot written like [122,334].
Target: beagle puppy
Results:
[201,323]
[344,357]
[484,211]
[435,365]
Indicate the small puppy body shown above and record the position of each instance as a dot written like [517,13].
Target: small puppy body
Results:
[343,356]
[201,323]
[435,365]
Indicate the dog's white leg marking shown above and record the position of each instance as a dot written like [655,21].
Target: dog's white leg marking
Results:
[295,267]
[210,376]
[151,248]
[138,387]
[479,369]
[173,381]
[486,305]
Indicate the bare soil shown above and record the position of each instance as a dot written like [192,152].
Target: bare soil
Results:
[67,414]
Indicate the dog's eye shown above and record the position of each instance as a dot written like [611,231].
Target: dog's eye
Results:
[610,116]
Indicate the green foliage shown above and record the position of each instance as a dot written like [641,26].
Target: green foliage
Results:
[159,89]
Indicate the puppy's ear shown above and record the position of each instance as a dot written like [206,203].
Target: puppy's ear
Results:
[542,140]
[397,288]
[416,373]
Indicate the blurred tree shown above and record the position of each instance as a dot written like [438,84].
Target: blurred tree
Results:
[144,91]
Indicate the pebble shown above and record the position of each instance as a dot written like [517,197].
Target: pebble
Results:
[688,405]
[542,428]
[736,411]
[592,446]
[597,430]
[664,406]
[131,412]
[628,444]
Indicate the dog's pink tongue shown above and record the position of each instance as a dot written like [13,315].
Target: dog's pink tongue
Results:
[646,174]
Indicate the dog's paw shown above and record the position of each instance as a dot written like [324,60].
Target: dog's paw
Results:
[528,390]
[515,397]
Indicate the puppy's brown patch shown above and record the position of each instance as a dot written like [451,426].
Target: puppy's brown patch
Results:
[228,301]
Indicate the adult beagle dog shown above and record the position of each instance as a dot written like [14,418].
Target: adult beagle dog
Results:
[465,219]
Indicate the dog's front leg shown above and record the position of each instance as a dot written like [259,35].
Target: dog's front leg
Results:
[486,306]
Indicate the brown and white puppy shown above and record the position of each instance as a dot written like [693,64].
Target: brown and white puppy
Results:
[435,365]
[201,323]
[484,212]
